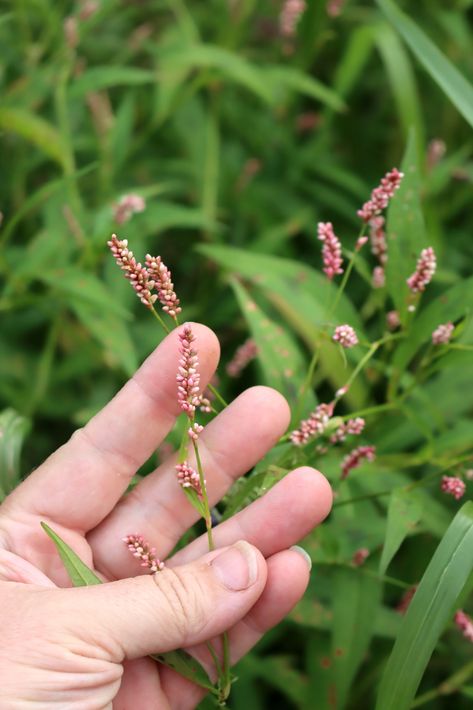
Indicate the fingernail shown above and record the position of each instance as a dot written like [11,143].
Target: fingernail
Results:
[304,554]
[237,567]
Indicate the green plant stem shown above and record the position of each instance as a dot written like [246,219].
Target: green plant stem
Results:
[208,518]
[217,395]
[449,686]
[159,319]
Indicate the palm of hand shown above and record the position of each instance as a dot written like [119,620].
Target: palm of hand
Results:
[79,491]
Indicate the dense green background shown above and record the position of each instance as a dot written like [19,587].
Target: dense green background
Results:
[240,138]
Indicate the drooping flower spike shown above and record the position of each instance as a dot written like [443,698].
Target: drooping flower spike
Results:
[136,274]
[356,457]
[353,427]
[242,357]
[381,195]
[331,250]
[425,270]
[314,426]
[142,550]
[163,285]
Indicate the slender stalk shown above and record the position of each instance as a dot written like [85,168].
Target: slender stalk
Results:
[159,319]
[208,518]
[453,683]
[217,394]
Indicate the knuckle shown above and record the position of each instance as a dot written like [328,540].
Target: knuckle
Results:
[185,599]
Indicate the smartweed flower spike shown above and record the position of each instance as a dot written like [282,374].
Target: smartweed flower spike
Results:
[442,333]
[188,376]
[356,457]
[290,16]
[360,556]
[422,276]
[453,486]
[465,624]
[353,427]
[315,425]
[392,320]
[345,335]
[331,250]
[381,195]
[141,549]
[195,430]
[379,277]
[243,355]
[188,478]
[379,246]
[164,285]
[136,274]
[127,206]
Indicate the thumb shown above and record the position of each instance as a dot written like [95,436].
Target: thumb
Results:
[171,609]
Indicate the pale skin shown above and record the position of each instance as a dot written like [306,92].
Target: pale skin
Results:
[87,648]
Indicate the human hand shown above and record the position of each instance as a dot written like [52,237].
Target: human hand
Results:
[86,648]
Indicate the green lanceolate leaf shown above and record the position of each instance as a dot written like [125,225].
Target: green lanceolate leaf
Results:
[36,131]
[428,613]
[442,71]
[13,429]
[404,512]
[83,576]
[79,573]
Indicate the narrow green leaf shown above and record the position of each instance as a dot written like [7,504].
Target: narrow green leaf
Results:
[75,283]
[405,229]
[288,78]
[428,613]
[187,666]
[13,429]
[79,573]
[404,512]
[35,130]
[442,71]
[99,78]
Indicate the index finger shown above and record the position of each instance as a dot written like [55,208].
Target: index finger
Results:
[83,480]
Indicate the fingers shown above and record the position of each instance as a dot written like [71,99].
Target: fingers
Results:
[288,577]
[158,509]
[286,514]
[80,483]
[171,609]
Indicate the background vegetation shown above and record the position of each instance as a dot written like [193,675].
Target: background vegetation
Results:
[240,140]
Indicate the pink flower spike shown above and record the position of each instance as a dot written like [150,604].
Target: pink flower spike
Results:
[381,195]
[360,243]
[345,335]
[453,486]
[379,246]
[331,250]
[188,376]
[195,430]
[406,599]
[356,457]
[127,206]
[290,15]
[353,427]
[465,624]
[425,269]
[392,319]
[141,549]
[314,426]
[136,274]
[164,285]
[188,477]
[379,277]
[442,333]
[360,556]
[242,357]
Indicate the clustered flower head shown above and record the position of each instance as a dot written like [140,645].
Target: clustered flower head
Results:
[353,427]
[379,245]
[360,556]
[345,335]
[290,16]
[315,425]
[141,549]
[188,376]
[136,274]
[127,206]
[188,477]
[453,486]
[425,269]
[195,430]
[381,195]
[442,333]
[331,250]
[243,355]
[465,624]
[163,284]
[356,457]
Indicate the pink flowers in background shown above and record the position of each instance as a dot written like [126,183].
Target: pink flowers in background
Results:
[442,333]
[345,335]
[141,549]
[381,195]
[393,320]
[360,556]
[335,7]
[163,284]
[315,425]
[356,457]
[188,477]
[379,277]
[242,357]
[331,250]
[290,15]
[464,624]
[136,274]
[188,376]
[353,427]
[127,206]
[425,269]
[453,486]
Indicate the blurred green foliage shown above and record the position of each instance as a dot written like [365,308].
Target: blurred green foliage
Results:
[240,140]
